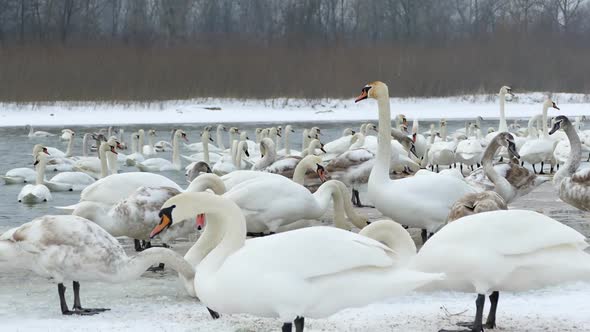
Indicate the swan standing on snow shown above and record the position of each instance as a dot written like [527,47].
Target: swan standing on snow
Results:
[306,278]
[413,201]
[573,185]
[161,164]
[38,192]
[469,151]
[502,250]
[539,150]
[69,248]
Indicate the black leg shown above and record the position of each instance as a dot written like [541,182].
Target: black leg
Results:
[478,165]
[214,314]
[61,289]
[437,169]
[432,168]
[424,235]
[137,245]
[522,164]
[534,170]
[542,165]
[158,268]
[491,321]
[501,159]
[476,325]
[462,167]
[78,305]
[287,327]
[352,198]
[299,323]
[357,201]
[557,167]
[451,166]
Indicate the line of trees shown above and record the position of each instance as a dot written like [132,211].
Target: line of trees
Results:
[160,49]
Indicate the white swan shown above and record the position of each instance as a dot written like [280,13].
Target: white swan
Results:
[502,126]
[24,174]
[136,155]
[442,152]
[65,134]
[287,151]
[149,150]
[229,163]
[268,154]
[195,168]
[200,146]
[210,157]
[308,279]
[57,153]
[540,150]
[39,133]
[69,248]
[573,185]
[274,201]
[469,151]
[38,192]
[161,164]
[99,167]
[339,145]
[503,251]
[413,201]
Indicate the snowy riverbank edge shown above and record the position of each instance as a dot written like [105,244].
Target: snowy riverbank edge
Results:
[281,110]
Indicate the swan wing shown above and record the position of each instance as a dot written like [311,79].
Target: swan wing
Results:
[333,251]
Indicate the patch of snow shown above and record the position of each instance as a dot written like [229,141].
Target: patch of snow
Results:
[283,110]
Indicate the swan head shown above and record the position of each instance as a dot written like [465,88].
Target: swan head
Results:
[180,134]
[244,136]
[206,136]
[39,148]
[234,130]
[560,122]
[289,128]
[506,90]
[152,132]
[375,90]
[198,168]
[506,139]
[316,144]
[314,163]
[347,132]
[549,103]
[221,127]
[111,145]
[244,147]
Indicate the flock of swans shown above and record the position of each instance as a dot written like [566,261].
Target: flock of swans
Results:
[253,200]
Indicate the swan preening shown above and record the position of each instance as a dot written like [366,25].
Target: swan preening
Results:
[278,191]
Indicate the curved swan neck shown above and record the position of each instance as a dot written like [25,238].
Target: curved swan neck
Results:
[393,235]
[132,268]
[356,219]
[325,194]
[503,126]
[382,160]
[502,186]
[207,181]
[300,170]
[573,162]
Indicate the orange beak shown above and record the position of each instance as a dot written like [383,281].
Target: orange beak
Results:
[113,150]
[363,95]
[164,222]
[322,173]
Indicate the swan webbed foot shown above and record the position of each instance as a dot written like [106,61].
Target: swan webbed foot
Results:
[214,314]
[158,268]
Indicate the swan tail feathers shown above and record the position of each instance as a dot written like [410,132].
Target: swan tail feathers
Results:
[68,208]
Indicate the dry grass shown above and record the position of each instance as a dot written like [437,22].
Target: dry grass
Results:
[120,72]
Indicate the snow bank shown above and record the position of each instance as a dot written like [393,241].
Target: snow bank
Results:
[277,110]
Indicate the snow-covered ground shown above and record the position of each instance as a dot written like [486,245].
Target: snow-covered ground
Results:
[278,110]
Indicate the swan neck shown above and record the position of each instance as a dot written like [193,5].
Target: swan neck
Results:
[299,172]
[382,160]
[85,146]
[503,126]
[287,144]
[573,162]
[205,142]
[175,153]
[502,186]
[40,179]
[140,142]
[207,181]
[219,137]
[357,220]
[544,124]
[325,194]
[229,231]
[135,266]
[102,155]
[70,145]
